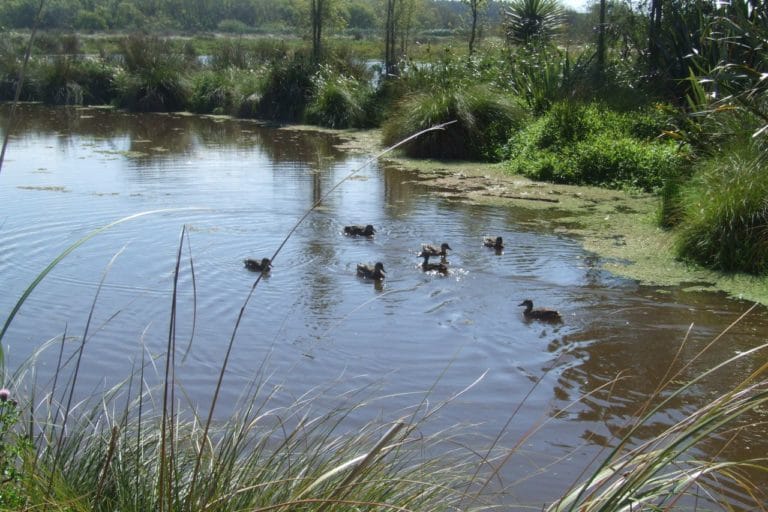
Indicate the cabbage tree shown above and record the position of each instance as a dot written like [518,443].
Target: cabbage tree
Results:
[528,20]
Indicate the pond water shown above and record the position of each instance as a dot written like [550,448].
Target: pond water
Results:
[237,188]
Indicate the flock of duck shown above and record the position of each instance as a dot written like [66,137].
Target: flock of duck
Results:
[376,271]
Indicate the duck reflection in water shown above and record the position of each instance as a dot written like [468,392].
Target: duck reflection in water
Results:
[440,268]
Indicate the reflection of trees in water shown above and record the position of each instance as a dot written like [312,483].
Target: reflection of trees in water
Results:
[399,195]
[640,341]
[175,134]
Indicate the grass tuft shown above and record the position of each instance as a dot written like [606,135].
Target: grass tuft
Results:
[484,119]
[725,215]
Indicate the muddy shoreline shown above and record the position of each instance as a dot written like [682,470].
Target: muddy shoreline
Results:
[619,227]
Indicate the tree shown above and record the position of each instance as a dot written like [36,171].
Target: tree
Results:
[654,31]
[390,33]
[318,10]
[601,44]
[474,13]
[527,20]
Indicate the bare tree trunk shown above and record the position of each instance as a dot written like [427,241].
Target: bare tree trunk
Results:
[654,29]
[601,44]
[473,30]
[316,14]
[390,24]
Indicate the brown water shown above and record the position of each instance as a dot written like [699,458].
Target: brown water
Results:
[239,188]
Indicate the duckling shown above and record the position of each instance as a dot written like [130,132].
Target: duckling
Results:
[258,266]
[430,250]
[359,230]
[494,243]
[442,268]
[540,313]
[377,272]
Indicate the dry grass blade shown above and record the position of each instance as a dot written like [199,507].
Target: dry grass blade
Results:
[342,490]
[76,371]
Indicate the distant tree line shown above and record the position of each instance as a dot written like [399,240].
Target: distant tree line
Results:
[241,15]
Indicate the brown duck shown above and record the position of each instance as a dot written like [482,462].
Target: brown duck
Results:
[549,315]
[258,266]
[376,272]
[430,250]
[494,243]
[359,230]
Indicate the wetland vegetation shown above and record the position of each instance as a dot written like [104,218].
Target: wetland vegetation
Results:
[667,100]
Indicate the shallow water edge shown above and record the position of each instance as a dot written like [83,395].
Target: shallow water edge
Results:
[618,226]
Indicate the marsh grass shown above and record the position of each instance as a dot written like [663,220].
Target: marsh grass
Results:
[725,214]
[153,78]
[73,81]
[484,119]
[339,101]
[287,89]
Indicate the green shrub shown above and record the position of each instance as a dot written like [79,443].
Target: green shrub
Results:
[74,81]
[90,20]
[287,90]
[15,447]
[338,101]
[212,93]
[589,144]
[725,215]
[153,77]
[233,26]
[618,161]
[483,120]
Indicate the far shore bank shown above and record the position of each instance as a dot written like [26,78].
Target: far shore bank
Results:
[618,226]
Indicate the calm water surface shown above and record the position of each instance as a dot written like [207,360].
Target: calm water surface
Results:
[238,188]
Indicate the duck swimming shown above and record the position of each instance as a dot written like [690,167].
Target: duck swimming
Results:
[539,313]
[494,243]
[442,268]
[376,272]
[359,230]
[430,250]
[258,266]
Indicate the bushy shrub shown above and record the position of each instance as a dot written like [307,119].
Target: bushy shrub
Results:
[339,101]
[74,81]
[618,161]
[287,90]
[725,215]
[232,92]
[228,54]
[90,20]
[212,92]
[233,26]
[589,144]
[153,78]
[483,120]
